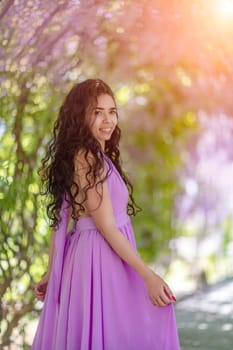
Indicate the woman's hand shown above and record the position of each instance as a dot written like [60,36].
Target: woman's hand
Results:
[158,291]
[41,287]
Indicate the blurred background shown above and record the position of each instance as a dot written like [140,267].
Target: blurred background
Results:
[170,64]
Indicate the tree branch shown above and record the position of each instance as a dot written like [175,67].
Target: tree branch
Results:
[6,8]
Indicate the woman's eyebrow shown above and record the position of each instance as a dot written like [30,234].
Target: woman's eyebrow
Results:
[101,108]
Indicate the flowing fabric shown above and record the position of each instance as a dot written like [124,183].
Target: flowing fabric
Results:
[96,301]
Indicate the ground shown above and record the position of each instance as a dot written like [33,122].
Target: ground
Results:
[205,319]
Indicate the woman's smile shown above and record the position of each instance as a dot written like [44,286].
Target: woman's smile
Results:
[104,119]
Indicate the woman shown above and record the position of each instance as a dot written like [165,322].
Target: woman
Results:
[98,293]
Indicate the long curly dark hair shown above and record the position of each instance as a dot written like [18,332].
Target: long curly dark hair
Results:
[71,133]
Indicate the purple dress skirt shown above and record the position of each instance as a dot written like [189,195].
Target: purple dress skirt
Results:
[96,301]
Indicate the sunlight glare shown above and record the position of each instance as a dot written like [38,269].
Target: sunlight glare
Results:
[224,8]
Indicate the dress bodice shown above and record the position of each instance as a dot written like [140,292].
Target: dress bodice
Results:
[119,198]
[117,189]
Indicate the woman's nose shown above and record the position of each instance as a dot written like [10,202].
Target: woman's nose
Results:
[107,116]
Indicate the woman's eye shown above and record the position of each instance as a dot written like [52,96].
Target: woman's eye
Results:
[97,113]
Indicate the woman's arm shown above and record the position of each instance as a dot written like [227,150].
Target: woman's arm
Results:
[102,214]
[159,292]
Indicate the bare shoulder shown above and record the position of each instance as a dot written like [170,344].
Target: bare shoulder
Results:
[83,160]
[86,168]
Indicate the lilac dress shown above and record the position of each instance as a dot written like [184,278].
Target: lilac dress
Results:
[96,301]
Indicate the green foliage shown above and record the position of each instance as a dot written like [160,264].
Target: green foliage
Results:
[156,183]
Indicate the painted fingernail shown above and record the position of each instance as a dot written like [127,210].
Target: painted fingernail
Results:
[173,298]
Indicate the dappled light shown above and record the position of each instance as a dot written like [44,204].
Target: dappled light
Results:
[206,320]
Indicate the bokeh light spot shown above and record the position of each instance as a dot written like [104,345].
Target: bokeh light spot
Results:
[224,8]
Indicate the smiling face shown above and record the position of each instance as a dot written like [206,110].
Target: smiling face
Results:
[103,119]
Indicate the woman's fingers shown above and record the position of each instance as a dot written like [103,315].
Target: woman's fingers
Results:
[169,292]
[161,300]
[159,292]
[154,301]
[42,287]
[164,298]
[158,301]
[41,297]
[40,290]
